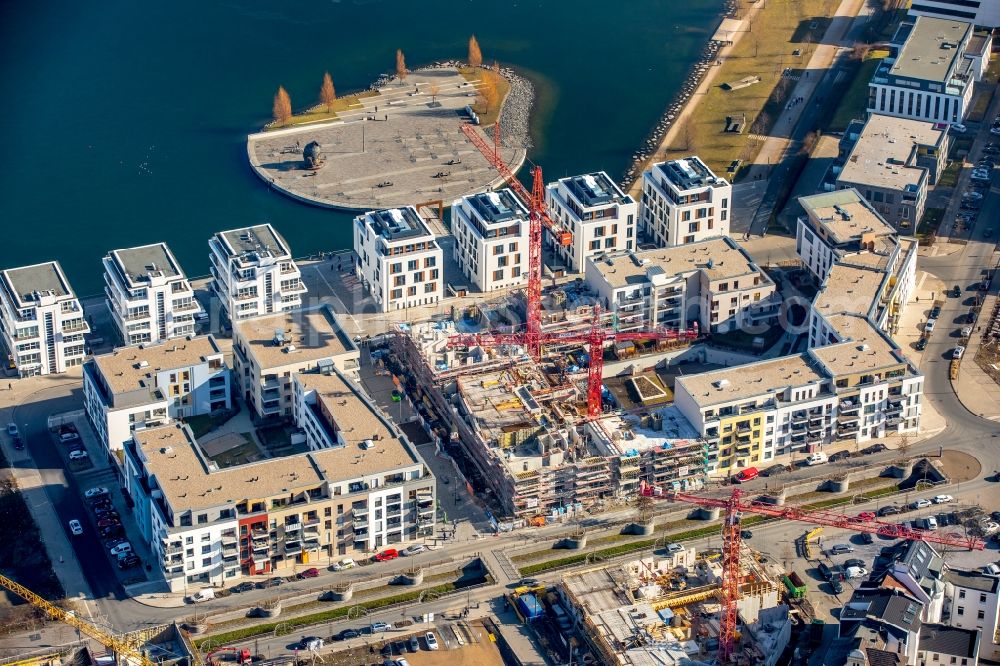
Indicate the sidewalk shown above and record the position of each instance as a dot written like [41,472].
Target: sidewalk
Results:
[975,389]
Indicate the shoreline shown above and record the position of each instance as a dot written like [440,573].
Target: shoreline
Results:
[514,117]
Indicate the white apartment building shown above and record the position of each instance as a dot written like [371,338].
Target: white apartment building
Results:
[254,273]
[148,294]
[851,392]
[971,602]
[42,321]
[599,217]
[491,239]
[399,261]
[683,201]
[862,266]
[713,284]
[145,386]
[930,74]
[214,525]
[984,13]
[267,351]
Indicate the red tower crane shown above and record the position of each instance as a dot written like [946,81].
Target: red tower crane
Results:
[734,506]
[594,339]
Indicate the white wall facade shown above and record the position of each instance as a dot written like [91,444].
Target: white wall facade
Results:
[598,215]
[400,270]
[919,104]
[491,239]
[984,13]
[677,211]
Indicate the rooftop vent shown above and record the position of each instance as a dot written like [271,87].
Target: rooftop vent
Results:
[721,384]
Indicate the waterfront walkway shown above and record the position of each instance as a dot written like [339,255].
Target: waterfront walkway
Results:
[399,147]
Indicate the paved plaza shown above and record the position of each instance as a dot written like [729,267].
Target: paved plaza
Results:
[402,146]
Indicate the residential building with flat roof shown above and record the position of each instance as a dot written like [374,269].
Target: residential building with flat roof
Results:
[491,239]
[212,524]
[41,319]
[985,13]
[399,261]
[713,283]
[596,213]
[928,75]
[253,272]
[267,351]
[971,603]
[148,295]
[683,201]
[145,386]
[891,161]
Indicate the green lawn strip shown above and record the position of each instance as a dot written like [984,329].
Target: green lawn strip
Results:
[708,530]
[205,423]
[949,176]
[319,113]
[855,100]
[290,624]
[929,223]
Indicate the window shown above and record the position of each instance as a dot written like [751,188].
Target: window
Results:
[961,610]
[980,614]
[205,550]
[411,265]
[202,518]
[206,537]
[961,594]
[188,540]
[982,598]
[396,267]
[206,561]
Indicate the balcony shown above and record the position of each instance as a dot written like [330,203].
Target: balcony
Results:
[244,296]
[312,545]
[846,419]
[291,528]
[293,547]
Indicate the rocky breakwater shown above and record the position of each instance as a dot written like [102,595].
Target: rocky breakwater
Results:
[708,59]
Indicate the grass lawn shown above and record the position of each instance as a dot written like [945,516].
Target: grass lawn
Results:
[980,106]
[929,223]
[781,27]
[475,75]
[206,423]
[320,114]
[238,455]
[855,100]
[949,177]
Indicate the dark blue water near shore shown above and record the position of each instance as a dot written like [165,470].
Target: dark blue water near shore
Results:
[124,122]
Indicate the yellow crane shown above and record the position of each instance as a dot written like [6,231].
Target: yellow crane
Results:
[124,649]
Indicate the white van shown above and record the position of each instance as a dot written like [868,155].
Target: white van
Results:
[856,572]
[203,595]
[817,458]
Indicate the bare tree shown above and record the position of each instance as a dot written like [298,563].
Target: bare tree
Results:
[401,70]
[643,508]
[904,445]
[282,109]
[435,90]
[475,55]
[327,94]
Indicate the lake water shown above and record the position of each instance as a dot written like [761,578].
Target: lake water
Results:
[124,122]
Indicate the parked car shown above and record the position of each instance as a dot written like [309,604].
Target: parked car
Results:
[920,504]
[817,458]
[75,527]
[12,429]
[346,563]
[935,312]
[746,534]
[856,572]
[18,443]
[958,128]
[413,643]
[866,538]
[874,448]
[674,548]
[78,455]
[242,587]
[929,326]
[311,643]
[942,499]
[346,634]
[309,573]
[378,627]
[888,511]
[958,352]
[431,640]
[921,344]
[528,582]
[854,562]
[965,332]
[99,491]
[775,470]
[111,531]
[413,549]
[840,455]
[744,475]
[971,316]
[386,555]
[129,561]
[836,587]
[841,549]
[108,522]
[68,437]
[124,547]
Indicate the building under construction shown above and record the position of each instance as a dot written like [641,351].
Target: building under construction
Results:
[665,610]
[525,424]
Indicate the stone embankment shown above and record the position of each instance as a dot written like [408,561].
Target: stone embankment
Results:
[707,60]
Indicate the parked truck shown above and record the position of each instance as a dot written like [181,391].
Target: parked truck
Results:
[795,585]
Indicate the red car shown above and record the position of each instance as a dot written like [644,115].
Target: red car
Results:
[386,555]
[309,573]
